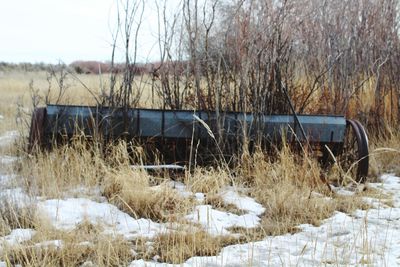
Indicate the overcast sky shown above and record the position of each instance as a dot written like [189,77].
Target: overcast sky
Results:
[66,30]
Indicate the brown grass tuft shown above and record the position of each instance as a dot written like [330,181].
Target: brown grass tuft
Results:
[385,153]
[70,166]
[291,190]
[177,247]
[207,180]
[130,190]
[14,214]
[50,247]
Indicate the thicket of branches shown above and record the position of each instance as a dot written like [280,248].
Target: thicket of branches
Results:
[332,56]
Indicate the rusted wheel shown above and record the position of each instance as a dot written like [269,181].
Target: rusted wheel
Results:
[354,154]
[363,165]
[36,130]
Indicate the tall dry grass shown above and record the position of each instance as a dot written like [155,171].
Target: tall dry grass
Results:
[176,247]
[385,153]
[52,173]
[84,245]
[292,190]
[14,214]
[131,192]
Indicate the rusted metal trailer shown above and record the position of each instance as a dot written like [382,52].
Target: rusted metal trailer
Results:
[175,132]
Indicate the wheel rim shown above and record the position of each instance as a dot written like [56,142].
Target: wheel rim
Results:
[363,164]
[354,155]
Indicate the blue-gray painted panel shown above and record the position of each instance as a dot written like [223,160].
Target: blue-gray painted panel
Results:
[180,124]
[150,123]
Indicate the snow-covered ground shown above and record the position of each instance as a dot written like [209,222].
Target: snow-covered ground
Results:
[369,237]
[68,213]
[364,238]
[7,138]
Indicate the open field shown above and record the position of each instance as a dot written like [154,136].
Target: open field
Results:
[18,89]
[74,207]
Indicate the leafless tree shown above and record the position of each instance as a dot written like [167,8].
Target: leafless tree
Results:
[236,55]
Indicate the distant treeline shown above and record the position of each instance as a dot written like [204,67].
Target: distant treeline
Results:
[97,67]
[82,67]
[30,67]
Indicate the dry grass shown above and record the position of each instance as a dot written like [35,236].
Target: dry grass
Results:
[53,173]
[385,153]
[217,202]
[16,95]
[208,180]
[85,244]
[16,98]
[291,190]
[14,214]
[131,192]
[177,247]
[289,187]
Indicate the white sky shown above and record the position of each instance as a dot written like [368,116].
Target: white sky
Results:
[66,30]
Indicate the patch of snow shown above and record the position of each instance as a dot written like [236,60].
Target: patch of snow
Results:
[375,203]
[6,160]
[50,243]
[17,236]
[88,264]
[343,191]
[92,192]
[230,196]
[217,222]
[390,183]
[181,188]
[1,117]
[6,180]
[16,196]
[68,213]
[8,137]
[199,197]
